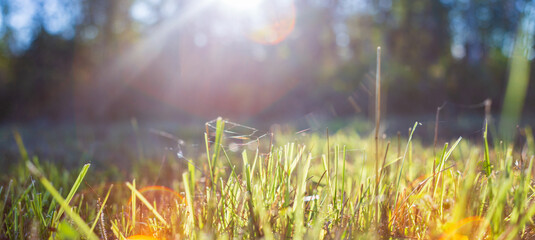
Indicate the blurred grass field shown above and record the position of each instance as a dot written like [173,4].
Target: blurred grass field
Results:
[291,184]
[73,167]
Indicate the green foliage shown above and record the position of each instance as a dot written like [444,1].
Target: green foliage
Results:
[64,203]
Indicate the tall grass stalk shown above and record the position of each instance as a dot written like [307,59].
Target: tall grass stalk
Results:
[377,125]
[212,161]
[97,218]
[401,168]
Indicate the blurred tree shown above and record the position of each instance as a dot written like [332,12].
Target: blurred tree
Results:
[43,78]
[120,58]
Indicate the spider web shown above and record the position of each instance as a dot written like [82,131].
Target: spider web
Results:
[236,136]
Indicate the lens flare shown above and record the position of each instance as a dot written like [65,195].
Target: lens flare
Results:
[209,67]
[160,194]
[141,237]
[466,229]
[163,199]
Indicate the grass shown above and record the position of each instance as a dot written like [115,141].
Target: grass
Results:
[298,187]
[330,186]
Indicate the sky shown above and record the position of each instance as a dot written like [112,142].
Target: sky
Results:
[59,18]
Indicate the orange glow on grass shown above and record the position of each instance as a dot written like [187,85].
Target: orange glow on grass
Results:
[141,237]
[159,193]
[163,199]
[157,188]
[465,228]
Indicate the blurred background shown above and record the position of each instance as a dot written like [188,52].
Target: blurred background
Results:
[65,64]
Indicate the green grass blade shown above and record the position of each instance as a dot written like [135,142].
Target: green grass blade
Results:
[116,231]
[189,201]
[133,205]
[212,163]
[299,212]
[86,230]
[20,145]
[74,188]
[488,168]
[403,161]
[101,209]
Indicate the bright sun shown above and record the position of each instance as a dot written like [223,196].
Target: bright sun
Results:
[263,21]
[241,5]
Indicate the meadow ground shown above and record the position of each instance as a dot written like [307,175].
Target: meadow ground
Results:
[283,185]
